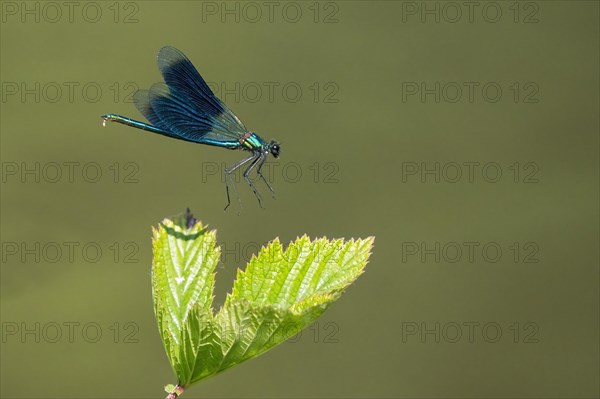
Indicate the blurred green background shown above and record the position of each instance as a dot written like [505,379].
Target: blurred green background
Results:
[372,104]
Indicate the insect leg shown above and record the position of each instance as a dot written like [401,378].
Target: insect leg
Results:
[259,172]
[228,172]
[246,174]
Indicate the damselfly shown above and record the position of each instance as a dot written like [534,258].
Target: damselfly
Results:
[185,108]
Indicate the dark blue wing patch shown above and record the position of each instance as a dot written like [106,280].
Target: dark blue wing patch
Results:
[185,106]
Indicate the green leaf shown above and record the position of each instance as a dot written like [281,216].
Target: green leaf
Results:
[279,293]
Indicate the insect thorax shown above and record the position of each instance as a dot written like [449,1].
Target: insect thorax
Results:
[251,141]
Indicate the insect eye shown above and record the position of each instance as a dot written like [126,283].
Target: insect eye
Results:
[275,150]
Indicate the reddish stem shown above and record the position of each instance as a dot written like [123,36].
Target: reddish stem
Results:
[177,391]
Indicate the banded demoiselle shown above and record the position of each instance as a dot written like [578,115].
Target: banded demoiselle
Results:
[185,108]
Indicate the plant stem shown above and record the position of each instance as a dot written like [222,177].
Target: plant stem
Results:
[177,391]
